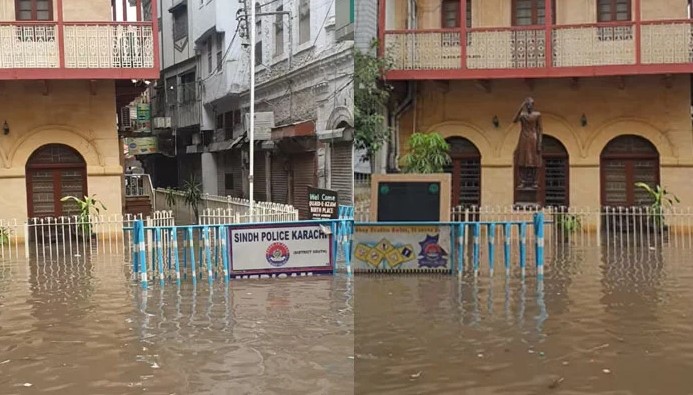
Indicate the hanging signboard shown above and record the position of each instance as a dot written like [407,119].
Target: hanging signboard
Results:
[323,203]
[402,248]
[272,249]
[141,145]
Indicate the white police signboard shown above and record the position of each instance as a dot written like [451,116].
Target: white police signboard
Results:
[289,248]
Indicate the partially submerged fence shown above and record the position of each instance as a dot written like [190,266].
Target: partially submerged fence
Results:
[266,212]
[71,236]
[233,250]
[242,250]
[447,247]
[575,226]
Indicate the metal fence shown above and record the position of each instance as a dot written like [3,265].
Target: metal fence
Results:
[71,237]
[216,209]
[579,226]
[262,213]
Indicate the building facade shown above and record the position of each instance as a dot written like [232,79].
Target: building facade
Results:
[303,99]
[610,77]
[66,67]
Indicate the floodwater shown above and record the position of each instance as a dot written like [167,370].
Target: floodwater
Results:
[602,321]
[86,328]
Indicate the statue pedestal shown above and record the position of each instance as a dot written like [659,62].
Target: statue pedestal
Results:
[527,199]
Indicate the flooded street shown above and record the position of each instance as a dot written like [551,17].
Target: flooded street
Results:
[85,328]
[602,321]
[599,323]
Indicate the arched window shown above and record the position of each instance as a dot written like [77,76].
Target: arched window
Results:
[53,172]
[466,172]
[554,176]
[625,161]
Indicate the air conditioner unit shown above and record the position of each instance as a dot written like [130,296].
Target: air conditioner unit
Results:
[161,122]
[197,138]
[264,122]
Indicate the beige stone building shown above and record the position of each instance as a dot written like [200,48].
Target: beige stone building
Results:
[610,77]
[66,66]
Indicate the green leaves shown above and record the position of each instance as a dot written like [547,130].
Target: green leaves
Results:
[371,96]
[192,192]
[428,153]
[170,197]
[87,207]
[661,199]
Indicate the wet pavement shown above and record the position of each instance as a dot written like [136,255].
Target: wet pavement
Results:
[85,328]
[601,322]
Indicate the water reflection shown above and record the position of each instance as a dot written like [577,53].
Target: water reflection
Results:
[600,321]
[84,327]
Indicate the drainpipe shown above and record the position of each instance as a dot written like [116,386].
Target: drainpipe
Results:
[394,121]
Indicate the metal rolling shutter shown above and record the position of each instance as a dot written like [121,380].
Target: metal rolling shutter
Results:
[280,179]
[237,172]
[342,172]
[260,177]
[303,172]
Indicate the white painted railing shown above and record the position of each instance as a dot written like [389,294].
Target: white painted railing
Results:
[586,226]
[262,214]
[71,237]
[224,208]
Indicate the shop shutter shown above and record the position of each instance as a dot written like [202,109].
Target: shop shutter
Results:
[342,172]
[260,177]
[237,172]
[303,176]
[280,179]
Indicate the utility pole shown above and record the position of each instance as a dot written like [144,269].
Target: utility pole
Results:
[251,132]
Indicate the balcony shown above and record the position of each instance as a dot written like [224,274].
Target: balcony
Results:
[78,50]
[597,49]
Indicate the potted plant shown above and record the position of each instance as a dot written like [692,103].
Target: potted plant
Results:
[192,192]
[5,233]
[87,207]
[661,199]
[566,224]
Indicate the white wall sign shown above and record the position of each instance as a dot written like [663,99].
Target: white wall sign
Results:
[290,248]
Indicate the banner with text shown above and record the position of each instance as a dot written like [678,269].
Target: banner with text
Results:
[402,247]
[280,249]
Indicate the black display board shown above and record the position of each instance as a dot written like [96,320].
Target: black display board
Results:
[323,203]
[409,201]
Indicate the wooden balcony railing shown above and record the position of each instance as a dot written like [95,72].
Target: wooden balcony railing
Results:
[541,51]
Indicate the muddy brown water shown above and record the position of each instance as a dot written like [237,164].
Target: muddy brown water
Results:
[85,328]
[602,321]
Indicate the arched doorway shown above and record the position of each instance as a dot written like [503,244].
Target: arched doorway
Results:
[553,177]
[52,172]
[466,172]
[625,161]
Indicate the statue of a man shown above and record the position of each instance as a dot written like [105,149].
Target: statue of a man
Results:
[529,145]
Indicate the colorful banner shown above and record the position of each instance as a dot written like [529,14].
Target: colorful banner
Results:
[280,249]
[141,145]
[402,247]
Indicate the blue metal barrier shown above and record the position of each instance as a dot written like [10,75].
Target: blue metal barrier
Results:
[206,250]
